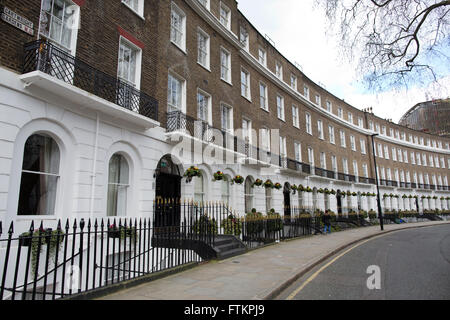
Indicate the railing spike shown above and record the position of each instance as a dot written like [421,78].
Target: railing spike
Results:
[59,225]
[11,228]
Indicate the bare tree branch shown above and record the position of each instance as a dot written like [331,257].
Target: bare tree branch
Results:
[392,38]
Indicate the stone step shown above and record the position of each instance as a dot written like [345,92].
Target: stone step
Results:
[231,253]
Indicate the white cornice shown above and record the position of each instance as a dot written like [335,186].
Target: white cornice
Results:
[215,24]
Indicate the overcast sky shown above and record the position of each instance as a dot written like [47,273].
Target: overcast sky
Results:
[299,33]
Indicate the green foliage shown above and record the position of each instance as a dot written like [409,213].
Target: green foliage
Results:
[232,226]
[42,238]
[273,222]
[205,225]
[254,222]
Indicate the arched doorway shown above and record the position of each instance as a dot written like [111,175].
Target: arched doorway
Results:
[339,202]
[287,199]
[168,193]
[168,179]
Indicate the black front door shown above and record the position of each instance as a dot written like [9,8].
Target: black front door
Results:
[339,204]
[287,203]
[167,204]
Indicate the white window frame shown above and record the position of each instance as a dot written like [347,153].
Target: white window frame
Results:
[293,82]
[298,151]
[262,56]
[306,92]
[139,10]
[323,160]
[74,26]
[308,123]
[353,143]
[311,156]
[247,85]
[206,4]
[329,106]
[208,106]
[227,17]
[355,168]
[343,139]
[175,9]
[172,107]
[280,108]
[345,165]
[207,52]
[279,70]
[265,107]
[318,100]
[138,51]
[331,133]
[247,133]
[230,117]
[228,66]
[320,129]
[265,139]
[363,146]
[244,37]
[295,116]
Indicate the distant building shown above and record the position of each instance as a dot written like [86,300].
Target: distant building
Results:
[431,117]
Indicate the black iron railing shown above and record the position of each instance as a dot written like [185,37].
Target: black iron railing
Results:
[65,260]
[43,56]
[178,121]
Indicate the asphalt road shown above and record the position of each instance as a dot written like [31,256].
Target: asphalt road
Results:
[413,264]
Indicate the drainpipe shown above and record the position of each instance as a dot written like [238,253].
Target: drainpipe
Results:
[94,169]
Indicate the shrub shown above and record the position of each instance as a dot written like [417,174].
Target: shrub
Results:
[232,226]
[274,222]
[205,225]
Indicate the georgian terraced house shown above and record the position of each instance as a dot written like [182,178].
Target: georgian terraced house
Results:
[95,95]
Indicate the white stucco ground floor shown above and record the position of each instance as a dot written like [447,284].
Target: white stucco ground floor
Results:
[63,158]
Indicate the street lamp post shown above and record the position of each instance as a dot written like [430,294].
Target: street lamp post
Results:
[380,212]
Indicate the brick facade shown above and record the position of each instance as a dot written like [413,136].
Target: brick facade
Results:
[98,45]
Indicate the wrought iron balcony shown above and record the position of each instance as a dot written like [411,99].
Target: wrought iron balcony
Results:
[346,177]
[319,172]
[363,180]
[43,56]
[178,121]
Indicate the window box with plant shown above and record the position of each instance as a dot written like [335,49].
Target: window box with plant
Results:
[121,232]
[294,188]
[268,184]
[257,183]
[219,176]
[37,239]
[238,179]
[191,173]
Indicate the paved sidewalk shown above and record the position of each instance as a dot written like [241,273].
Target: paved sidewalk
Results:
[257,275]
